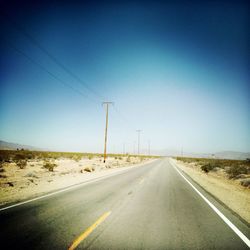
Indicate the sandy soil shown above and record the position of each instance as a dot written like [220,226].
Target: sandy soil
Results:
[19,184]
[230,192]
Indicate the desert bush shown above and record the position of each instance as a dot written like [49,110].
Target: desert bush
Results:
[205,168]
[141,159]
[49,165]
[90,157]
[245,182]
[128,159]
[30,155]
[236,170]
[31,174]
[76,158]
[2,159]
[21,163]
[190,160]
[11,184]
[19,157]
[88,169]
[210,166]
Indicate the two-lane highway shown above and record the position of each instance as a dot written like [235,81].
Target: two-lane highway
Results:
[149,207]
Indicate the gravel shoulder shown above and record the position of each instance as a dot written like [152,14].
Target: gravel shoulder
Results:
[230,192]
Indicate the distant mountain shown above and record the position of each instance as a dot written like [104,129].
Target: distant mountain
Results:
[165,152]
[218,155]
[13,146]
[173,152]
[232,155]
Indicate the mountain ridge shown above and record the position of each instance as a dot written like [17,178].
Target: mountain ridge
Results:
[233,155]
[14,146]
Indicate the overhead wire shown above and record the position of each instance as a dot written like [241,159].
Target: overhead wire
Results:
[48,71]
[52,57]
[61,65]
[124,119]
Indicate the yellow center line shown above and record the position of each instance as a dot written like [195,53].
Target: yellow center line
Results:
[88,231]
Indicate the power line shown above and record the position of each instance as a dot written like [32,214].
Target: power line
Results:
[46,70]
[75,90]
[60,64]
[125,120]
[52,57]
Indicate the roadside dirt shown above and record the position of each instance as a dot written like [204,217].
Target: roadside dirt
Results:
[20,184]
[230,192]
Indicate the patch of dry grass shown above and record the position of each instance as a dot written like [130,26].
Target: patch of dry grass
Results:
[16,155]
[50,165]
[234,169]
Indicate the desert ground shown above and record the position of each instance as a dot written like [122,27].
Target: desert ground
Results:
[227,180]
[26,174]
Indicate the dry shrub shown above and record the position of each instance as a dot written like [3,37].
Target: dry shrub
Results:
[49,165]
[1,167]
[245,182]
[210,166]
[88,169]
[76,158]
[22,163]
[31,174]
[236,170]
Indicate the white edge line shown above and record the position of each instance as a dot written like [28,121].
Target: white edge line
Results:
[222,216]
[57,192]
[68,188]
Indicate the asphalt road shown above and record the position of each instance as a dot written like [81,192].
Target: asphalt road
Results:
[149,207]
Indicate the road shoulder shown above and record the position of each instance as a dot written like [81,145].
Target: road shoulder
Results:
[235,198]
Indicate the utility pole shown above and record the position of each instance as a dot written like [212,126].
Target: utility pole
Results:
[106,129]
[138,131]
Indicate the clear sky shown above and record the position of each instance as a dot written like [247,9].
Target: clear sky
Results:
[177,70]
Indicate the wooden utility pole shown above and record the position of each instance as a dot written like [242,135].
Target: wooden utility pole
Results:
[106,129]
[138,131]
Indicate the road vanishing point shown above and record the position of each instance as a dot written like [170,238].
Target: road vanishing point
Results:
[153,206]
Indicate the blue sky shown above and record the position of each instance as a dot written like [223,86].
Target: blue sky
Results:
[176,70]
